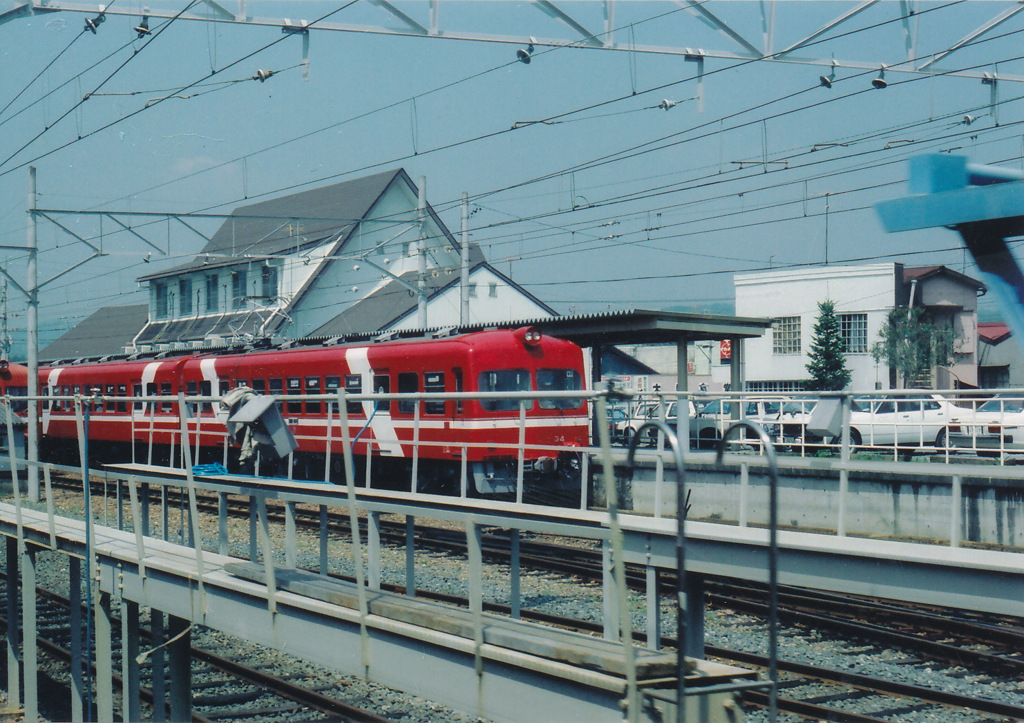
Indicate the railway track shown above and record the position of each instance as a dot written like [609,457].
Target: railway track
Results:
[226,686]
[981,644]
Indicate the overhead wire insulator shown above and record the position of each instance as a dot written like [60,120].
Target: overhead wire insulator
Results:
[262,75]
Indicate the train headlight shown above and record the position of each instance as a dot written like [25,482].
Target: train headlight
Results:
[530,336]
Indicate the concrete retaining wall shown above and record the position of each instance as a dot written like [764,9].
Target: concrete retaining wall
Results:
[913,500]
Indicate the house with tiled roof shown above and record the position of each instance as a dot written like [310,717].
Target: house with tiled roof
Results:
[358,256]
[1000,361]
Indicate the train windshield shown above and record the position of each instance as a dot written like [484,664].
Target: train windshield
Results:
[504,380]
[559,380]
[18,406]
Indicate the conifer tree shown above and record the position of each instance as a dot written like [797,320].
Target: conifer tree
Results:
[827,365]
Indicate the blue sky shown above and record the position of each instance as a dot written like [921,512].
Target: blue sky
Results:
[582,188]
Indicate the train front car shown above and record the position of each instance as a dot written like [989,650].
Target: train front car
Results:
[551,428]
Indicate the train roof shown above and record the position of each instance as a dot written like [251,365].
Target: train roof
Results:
[267,345]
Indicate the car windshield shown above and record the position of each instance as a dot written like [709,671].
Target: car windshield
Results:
[798,407]
[1001,404]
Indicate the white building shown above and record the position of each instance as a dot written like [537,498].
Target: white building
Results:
[863,296]
[350,258]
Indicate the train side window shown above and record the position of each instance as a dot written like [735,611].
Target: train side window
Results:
[354,385]
[331,386]
[137,392]
[259,386]
[434,382]
[504,380]
[313,387]
[222,387]
[242,383]
[457,374]
[559,380]
[276,387]
[151,392]
[165,391]
[111,404]
[382,385]
[206,390]
[294,387]
[122,391]
[65,404]
[191,389]
[408,383]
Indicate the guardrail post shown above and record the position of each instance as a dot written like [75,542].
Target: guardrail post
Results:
[120,508]
[373,562]
[521,451]
[104,660]
[157,660]
[222,523]
[474,542]
[29,650]
[609,598]
[13,624]
[410,556]
[515,599]
[179,650]
[290,555]
[75,631]
[253,521]
[653,609]
[844,474]
[324,560]
[744,494]
[131,702]
[956,503]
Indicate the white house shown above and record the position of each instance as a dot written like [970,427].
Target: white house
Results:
[352,257]
[863,296]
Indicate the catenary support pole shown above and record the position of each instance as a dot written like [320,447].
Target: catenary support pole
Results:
[32,353]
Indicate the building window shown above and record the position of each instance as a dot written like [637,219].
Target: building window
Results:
[270,281]
[787,385]
[492,290]
[184,296]
[786,335]
[160,299]
[239,279]
[854,328]
[212,293]
[472,290]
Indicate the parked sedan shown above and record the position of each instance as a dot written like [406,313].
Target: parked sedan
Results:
[901,420]
[997,426]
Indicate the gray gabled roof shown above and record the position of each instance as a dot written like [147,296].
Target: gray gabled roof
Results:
[394,301]
[107,331]
[297,221]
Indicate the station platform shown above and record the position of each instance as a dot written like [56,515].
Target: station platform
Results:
[485,665]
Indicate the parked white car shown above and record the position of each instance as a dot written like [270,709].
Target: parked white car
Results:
[900,420]
[701,431]
[997,426]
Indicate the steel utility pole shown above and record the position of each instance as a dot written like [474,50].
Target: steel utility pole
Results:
[32,292]
[464,286]
[421,251]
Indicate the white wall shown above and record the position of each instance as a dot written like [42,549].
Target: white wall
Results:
[493,300]
[868,289]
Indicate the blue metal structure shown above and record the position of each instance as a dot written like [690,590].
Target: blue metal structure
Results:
[984,204]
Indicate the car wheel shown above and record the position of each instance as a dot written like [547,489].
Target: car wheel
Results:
[855,439]
[940,440]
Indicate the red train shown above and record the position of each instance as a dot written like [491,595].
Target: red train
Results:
[391,433]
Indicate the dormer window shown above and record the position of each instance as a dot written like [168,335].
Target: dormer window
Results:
[184,297]
[160,299]
[239,279]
